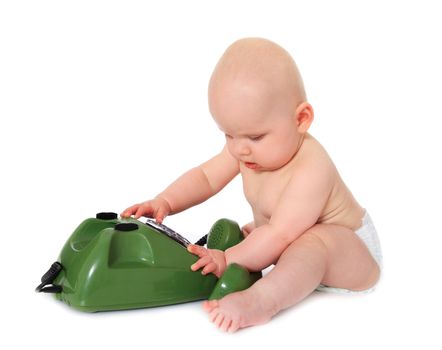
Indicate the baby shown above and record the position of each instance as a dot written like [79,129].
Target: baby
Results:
[305,219]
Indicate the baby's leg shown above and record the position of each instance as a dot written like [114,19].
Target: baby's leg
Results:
[328,254]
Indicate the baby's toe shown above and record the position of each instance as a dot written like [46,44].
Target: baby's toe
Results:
[234,326]
[209,305]
[226,324]
[219,319]
[213,314]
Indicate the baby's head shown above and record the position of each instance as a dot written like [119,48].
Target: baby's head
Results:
[257,98]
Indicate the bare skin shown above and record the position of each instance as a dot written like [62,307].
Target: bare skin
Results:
[304,215]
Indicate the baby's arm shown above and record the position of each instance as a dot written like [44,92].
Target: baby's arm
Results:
[192,188]
[202,182]
[298,209]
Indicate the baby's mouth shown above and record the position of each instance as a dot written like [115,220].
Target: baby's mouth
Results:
[251,165]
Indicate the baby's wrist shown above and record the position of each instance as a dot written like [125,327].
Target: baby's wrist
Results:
[224,264]
[227,258]
[220,261]
[165,201]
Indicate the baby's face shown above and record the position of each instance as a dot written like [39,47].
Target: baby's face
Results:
[259,124]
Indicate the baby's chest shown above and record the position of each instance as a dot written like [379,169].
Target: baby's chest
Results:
[263,192]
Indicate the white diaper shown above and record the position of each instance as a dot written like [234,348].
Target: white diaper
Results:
[367,233]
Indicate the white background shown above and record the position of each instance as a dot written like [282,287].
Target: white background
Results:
[103,103]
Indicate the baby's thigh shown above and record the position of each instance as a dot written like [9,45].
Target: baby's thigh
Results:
[349,262]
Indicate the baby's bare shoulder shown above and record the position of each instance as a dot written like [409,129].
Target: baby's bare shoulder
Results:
[313,160]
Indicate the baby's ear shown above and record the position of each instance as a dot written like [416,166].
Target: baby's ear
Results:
[304,116]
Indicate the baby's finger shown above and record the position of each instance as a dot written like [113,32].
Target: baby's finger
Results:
[201,262]
[138,213]
[143,210]
[160,215]
[129,211]
[210,267]
[197,250]
[246,231]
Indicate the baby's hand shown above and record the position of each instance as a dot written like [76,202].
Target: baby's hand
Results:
[213,260]
[157,208]
[246,229]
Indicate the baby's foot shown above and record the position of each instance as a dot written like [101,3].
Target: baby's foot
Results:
[239,310]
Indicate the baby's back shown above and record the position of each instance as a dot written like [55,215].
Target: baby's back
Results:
[263,190]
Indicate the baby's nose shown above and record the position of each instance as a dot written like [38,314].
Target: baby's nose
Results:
[243,150]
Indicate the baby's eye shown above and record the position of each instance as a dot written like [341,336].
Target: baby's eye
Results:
[256,138]
[228,136]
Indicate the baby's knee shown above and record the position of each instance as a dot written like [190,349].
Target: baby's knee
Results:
[373,276]
[326,234]
[314,238]
[306,244]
